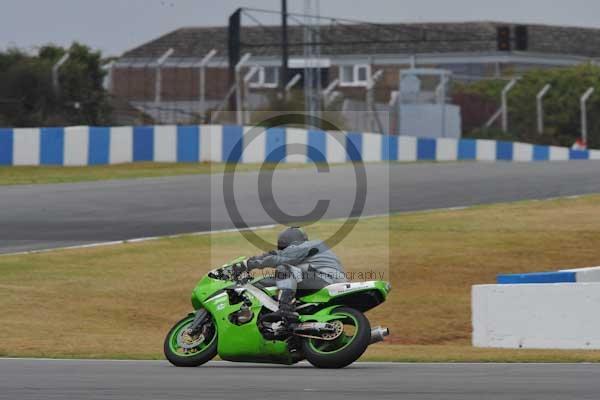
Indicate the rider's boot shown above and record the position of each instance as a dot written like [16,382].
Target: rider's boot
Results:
[286,311]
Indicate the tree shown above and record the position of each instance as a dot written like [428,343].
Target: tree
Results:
[27,97]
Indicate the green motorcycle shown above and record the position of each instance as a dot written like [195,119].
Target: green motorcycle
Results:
[332,332]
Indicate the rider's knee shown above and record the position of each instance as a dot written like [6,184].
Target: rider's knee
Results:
[283,272]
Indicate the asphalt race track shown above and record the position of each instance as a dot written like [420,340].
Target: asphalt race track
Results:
[89,379]
[47,216]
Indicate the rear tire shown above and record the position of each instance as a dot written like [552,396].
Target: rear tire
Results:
[195,357]
[315,350]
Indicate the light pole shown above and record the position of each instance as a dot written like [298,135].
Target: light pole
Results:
[284,47]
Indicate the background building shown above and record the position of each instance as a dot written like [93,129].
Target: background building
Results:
[348,57]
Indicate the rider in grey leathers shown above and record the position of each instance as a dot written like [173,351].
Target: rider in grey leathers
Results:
[300,264]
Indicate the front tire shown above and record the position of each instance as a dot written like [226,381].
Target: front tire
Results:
[184,351]
[344,350]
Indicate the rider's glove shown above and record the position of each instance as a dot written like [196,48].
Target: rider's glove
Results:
[239,268]
[253,262]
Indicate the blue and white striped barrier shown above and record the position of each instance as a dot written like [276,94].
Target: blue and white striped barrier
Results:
[83,145]
[579,275]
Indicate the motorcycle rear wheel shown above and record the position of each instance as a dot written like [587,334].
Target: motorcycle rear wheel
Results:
[344,350]
[184,351]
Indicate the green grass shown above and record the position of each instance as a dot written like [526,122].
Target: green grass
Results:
[25,175]
[19,175]
[119,301]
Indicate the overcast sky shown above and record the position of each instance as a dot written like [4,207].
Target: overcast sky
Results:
[114,26]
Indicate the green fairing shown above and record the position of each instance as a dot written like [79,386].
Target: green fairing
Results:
[244,342]
[206,288]
[324,315]
[323,295]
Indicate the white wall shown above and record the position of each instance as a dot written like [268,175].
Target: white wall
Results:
[425,120]
[587,274]
[543,316]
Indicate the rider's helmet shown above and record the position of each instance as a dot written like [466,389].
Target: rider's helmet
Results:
[291,235]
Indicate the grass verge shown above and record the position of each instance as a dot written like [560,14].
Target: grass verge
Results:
[119,301]
[20,175]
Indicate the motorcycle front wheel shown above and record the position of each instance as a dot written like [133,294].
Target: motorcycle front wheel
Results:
[344,349]
[184,350]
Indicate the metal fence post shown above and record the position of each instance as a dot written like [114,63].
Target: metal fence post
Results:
[158,82]
[55,68]
[295,79]
[247,79]
[504,103]
[399,103]
[440,92]
[540,108]
[109,68]
[393,127]
[370,99]
[583,100]
[202,88]
[327,91]
[239,115]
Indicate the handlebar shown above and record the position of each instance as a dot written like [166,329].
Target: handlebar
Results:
[227,273]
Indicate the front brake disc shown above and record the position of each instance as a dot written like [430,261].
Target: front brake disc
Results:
[187,342]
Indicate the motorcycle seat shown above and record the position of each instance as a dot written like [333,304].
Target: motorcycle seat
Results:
[270,282]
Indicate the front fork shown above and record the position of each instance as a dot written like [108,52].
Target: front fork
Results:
[198,322]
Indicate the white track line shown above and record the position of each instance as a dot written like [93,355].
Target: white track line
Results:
[261,227]
[137,240]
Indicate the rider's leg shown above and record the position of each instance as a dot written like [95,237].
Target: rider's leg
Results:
[287,278]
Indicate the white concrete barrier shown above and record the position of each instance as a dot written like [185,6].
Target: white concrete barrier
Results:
[542,316]
[588,274]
